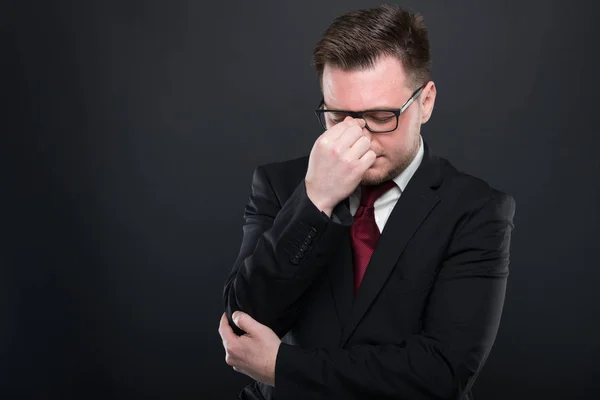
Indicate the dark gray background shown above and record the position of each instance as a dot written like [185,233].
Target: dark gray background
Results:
[131,132]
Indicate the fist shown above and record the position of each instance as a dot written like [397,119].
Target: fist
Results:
[337,162]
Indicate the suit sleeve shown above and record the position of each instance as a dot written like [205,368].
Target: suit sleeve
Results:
[459,327]
[284,248]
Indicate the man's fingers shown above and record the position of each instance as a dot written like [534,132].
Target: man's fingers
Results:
[359,121]
[229,341]
[367,159]
[223,324]
[227,334]
[336,131]
[349,137]
[246,323]
[358,149]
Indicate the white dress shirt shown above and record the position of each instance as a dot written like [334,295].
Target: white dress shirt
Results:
[385,204]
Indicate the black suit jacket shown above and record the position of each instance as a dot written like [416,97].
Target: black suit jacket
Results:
[427,311]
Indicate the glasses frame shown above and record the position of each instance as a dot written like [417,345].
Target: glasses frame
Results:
[359,114]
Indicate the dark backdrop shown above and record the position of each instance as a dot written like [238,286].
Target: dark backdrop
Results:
[130,132]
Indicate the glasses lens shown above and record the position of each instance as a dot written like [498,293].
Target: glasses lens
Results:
[381,121]
[330,118]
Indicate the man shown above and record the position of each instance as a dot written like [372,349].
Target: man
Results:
[371,269]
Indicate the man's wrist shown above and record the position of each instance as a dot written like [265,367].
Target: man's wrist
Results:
[273,365]
[326,209]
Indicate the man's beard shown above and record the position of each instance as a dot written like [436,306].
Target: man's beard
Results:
[395,169]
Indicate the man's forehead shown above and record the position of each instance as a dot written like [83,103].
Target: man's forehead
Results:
[361,88]
[350,93]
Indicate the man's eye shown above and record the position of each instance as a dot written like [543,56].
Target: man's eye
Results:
[381,119]
[336,118]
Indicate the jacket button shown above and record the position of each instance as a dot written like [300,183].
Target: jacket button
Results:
[295,261]
[304,247]
[307,241]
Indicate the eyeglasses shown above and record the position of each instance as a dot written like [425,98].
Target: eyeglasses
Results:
[376,121]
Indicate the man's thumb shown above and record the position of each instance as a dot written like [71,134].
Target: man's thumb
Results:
[245,322]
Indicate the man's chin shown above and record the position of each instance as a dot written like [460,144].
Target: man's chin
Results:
[374,176]
[381,170]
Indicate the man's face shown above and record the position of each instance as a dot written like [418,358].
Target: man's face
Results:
[385,86]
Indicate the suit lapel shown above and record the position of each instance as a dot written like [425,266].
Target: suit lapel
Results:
[413,206]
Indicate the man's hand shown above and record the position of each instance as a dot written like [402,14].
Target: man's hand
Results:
[337,162]
[253,353]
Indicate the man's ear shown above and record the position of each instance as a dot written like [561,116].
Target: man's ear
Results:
[427,101]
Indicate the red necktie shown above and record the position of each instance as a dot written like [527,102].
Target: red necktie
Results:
[364,232]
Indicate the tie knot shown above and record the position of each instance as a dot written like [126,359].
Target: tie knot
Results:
[369,194]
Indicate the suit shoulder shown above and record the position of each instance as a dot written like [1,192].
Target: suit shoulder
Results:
[283,176]
[469,189]
[291,165]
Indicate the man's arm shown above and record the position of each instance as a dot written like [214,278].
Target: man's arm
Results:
[284,248]
[459,328]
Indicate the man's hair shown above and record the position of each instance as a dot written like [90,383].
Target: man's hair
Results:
[357,39]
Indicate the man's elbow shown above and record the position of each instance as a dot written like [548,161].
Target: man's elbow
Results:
[463,375]
[454,376]
[452,386]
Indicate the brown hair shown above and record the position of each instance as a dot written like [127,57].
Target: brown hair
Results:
[356,39]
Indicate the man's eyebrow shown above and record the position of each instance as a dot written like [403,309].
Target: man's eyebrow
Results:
[379,107]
